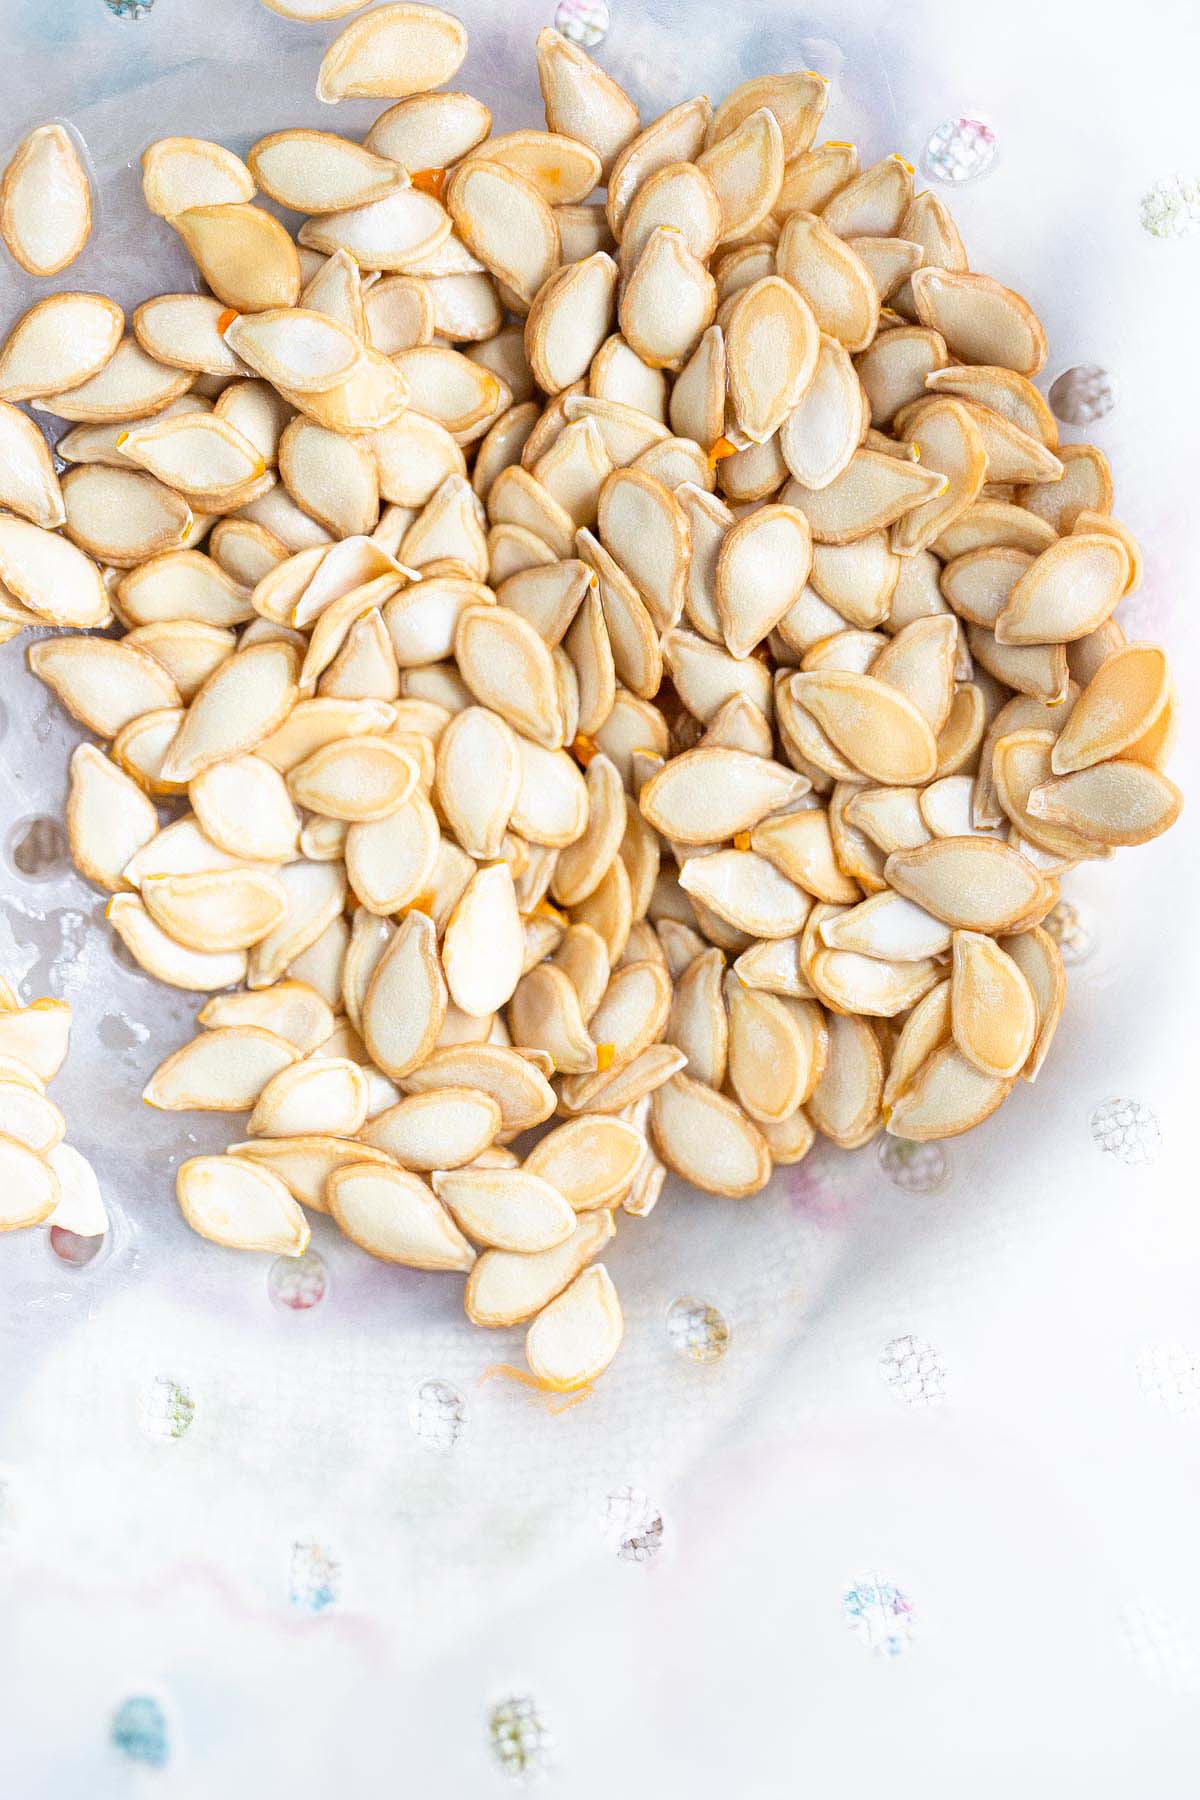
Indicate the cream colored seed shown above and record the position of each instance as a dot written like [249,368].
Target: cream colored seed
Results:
[644,803]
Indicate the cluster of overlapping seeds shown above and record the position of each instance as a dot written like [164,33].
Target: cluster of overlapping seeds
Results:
[43,1179]
[650,661]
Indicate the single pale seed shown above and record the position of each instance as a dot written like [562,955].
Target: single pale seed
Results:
[59,343]
[1116,802]
[392,52]
[109,818]
[45,202]
[243,253]
[50,576]
[103,684]
[290,1010]
[881,731]
[573,1340]
[222,1070]
[746,169]
[992,1009]
[1039,670]
[872,491]
[505,222]
[845,1102]
[161,956]
[1067,591]
[28,483]
[358,778]
[522,1092]
[1122,702]
[201,456]
[946,1097]
[581,101]
[707,795]
[507,667]
[393,1214]
[707,1138]
[121,516]
[389,860]
[973,884]
[761,569]
[430,130]
[325,1095]
[668,302]
[506,1209]
[981,321]
[483,948]
[227,909]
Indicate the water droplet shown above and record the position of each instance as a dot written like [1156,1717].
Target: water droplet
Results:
[880,1616]
[166,1409]
[297,1283]
[912,1368]
[697,1330]
[118,1033]
[520,1742]
[1171,208]
[316,1577]
[959,150]
[633,1524]
[1127,1130]
[139,1729]
[37,848]
[1082,394]
[585,22]
[1170,1375]
[72,1249]
[916,1168]
[1164,1647]
[1067,926]
[437,1413]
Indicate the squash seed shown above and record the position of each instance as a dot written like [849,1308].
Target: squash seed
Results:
[707,1139]
[103,684]
[981,321]
[1122,702]
[50,576]
[439,1130]
[227,909]
[668,302]
[993,1015]
[290,1010]
[946,1097]
[28,483]
[27,1117]
[45,202]
[574,1339]
[323,1096]
[709,794]
[973,884]
[505,222]
[1114,802]
[506,1209]
[243,253]
[581,101]
[240,1205]
[166,959]
[222,1070]
[58,344]
[483,947]
[1067,591]
[393,1214]
[405,1000]
[109,818]
[391,53]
